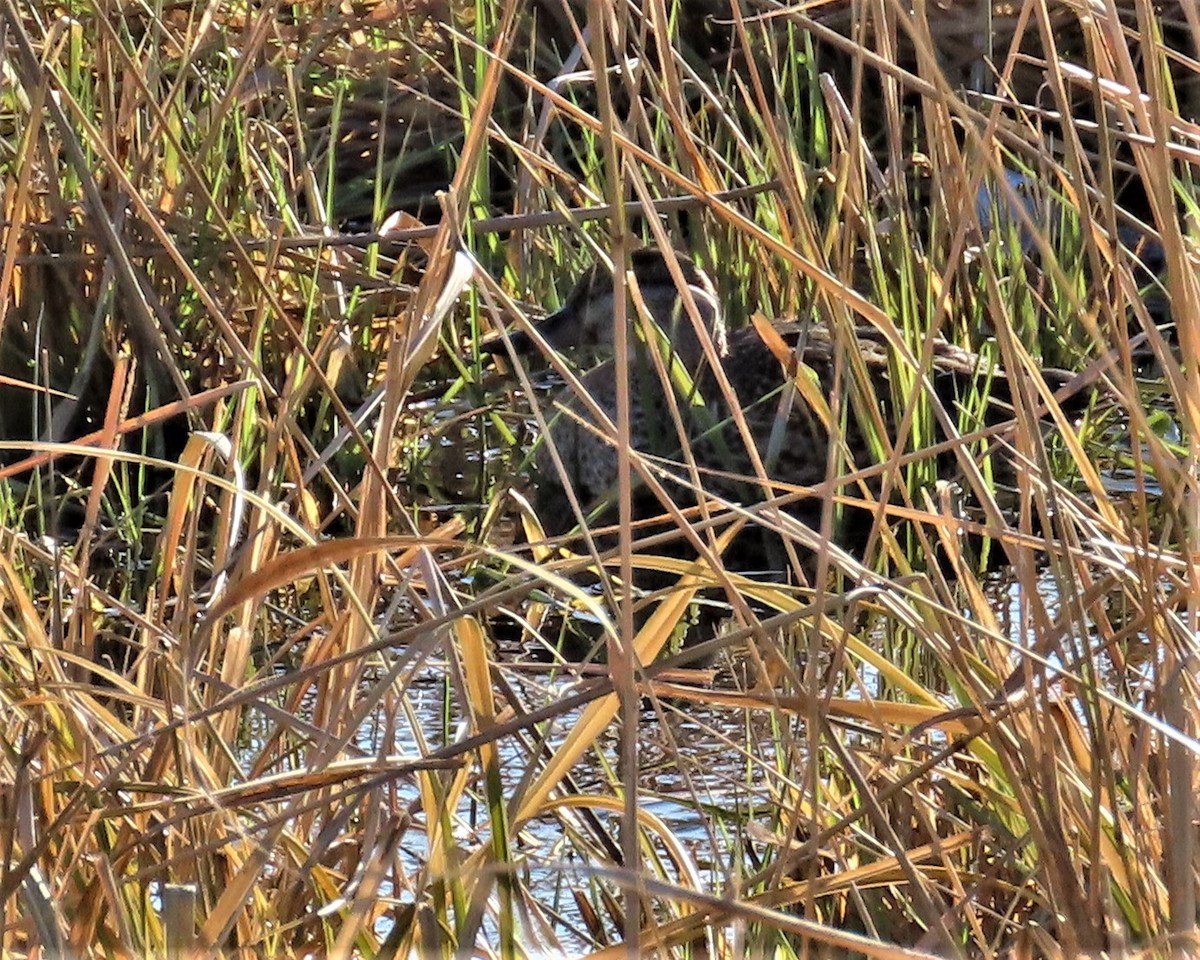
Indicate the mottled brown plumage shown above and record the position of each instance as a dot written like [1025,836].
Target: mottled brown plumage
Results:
[806,425]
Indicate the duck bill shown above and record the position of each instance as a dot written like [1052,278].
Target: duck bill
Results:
[523,344]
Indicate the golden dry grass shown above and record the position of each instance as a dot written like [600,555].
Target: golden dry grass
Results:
[259,673]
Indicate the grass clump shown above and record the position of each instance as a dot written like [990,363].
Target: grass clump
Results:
[271,581]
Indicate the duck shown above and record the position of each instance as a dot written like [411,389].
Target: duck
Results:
[754,417]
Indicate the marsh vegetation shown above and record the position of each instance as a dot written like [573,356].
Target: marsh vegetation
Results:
[290,665]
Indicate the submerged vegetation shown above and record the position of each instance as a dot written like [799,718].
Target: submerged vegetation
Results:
[285,646]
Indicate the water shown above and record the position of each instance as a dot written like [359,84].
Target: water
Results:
[713,781]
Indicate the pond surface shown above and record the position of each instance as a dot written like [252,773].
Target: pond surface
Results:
[713,775]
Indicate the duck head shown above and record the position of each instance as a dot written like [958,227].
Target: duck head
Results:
[584,323]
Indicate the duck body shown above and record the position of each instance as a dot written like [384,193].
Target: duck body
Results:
[801,437]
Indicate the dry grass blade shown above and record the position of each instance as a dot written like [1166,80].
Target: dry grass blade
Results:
[651,639]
